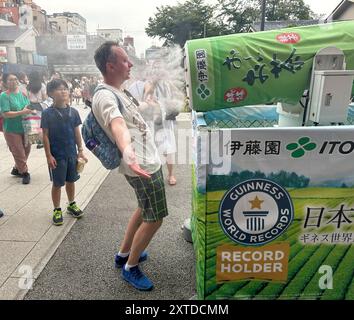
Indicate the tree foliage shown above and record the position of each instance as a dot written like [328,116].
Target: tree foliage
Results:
[279,10]
[236,16]
[283,178]
[177,24]
[194,19]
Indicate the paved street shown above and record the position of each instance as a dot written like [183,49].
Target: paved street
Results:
[82,265]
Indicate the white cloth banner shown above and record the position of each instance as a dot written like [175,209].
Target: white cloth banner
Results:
[76,42]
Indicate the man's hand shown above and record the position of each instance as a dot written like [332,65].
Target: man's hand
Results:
[52,163]
[123,140]
[140,172]
[130,159]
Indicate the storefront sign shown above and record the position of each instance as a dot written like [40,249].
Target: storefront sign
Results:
[76,42]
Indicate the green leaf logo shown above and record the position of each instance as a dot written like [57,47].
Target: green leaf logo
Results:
[299,149]
[203,91]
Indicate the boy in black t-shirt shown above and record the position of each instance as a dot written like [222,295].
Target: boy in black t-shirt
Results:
[61,135]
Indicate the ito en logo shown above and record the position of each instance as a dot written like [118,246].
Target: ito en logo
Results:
[299,149]
[288,37]
[235,95]
[203,91]
[255,212]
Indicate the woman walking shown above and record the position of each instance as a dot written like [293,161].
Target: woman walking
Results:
[13,106]
[37,94]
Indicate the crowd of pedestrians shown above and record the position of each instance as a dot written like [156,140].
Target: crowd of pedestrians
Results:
[30,98]
[25,95]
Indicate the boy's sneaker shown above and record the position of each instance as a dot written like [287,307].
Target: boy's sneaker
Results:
[26,178]
[15,172]
[58,217]
[74,210]
[120,261]
[137,279]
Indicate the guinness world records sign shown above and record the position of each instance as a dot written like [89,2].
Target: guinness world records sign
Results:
[273,213]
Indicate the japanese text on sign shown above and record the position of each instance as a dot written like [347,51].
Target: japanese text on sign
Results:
[202,65]
[76,42]
[315,217]
[292,64]
[254,147]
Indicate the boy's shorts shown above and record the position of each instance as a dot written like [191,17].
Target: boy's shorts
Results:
[151,196]
[64,172]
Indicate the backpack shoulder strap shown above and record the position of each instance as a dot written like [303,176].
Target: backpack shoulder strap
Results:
[120,105]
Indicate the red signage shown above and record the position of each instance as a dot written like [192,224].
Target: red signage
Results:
[235,95]
[290,37]
[9,14]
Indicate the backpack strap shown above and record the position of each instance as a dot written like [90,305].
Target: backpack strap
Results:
[120,105]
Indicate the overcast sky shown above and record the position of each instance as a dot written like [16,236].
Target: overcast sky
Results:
[132,15]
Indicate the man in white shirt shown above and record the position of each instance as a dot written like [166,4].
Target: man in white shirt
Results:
[140,165]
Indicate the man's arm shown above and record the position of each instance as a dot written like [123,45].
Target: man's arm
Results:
[123,140]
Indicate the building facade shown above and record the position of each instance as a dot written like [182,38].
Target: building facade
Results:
[20,44]
[153,53]
[40,20]
[111,34]
[343,11]
[67,23]
[69,58]
[128,45]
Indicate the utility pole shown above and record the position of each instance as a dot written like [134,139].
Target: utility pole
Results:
[263,14]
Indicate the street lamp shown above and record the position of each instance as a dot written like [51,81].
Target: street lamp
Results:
[263,14]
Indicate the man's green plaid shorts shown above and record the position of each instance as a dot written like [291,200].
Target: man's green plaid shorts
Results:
[151,196]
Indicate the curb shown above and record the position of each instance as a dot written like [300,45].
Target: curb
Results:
[56,242]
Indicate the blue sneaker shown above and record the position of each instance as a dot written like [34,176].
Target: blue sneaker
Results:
[120,261]
[137,279]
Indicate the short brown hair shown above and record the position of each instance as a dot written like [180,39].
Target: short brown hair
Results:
[104,54]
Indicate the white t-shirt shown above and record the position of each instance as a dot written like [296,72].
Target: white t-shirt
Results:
[39,96]
[105,109]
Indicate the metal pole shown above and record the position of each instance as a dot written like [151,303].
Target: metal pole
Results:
[263,14]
